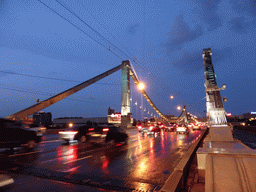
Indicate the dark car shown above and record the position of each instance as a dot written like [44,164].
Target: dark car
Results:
[83,133]
[12,134]
[107,134]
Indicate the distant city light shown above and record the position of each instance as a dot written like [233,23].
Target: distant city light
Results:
[171,97]
[228,114]
[178,107]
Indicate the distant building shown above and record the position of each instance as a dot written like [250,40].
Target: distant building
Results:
[62,121]
[111,111]
[43,118]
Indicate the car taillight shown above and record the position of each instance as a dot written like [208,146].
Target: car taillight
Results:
[139,127]
[91,129]
[105,129]
[68,132]
[151,127]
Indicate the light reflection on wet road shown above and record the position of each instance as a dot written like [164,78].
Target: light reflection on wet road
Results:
[147,159]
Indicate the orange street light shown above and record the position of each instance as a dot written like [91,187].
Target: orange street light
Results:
[141,86]
[178,107]
[171,97]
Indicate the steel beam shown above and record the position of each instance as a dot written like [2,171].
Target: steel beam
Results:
[48,102]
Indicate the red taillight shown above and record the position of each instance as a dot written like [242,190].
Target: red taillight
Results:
[139,127]
[105,129]
[151,127]
[91,129]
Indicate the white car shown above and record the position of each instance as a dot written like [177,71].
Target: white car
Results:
[182,129]
[68,134]
[5,180]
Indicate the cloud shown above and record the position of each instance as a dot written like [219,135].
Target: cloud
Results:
[192,61]
[181,33]
[208,12]
[247,5]
[2,4]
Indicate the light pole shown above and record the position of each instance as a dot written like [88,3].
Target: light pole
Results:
[141,87]
[136,108]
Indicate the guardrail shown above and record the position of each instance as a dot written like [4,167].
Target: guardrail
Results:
[178,178]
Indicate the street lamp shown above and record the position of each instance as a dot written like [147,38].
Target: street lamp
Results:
[171,97]
[141,86]
[178,107]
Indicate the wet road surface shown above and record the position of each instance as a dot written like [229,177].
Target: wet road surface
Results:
[143,164]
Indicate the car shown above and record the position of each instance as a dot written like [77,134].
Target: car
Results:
[68,134]
[196,127]
[153,129]
[13,134]
[182,129]
[83,133]
[40,129]
[171,127]
[107,134]
[5,180]
[142,128]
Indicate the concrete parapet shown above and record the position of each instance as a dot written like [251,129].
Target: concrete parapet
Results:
[220,133]
[230,172]
[226,164]
[235,147]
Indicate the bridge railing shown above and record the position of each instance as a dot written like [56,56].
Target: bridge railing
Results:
[178,178]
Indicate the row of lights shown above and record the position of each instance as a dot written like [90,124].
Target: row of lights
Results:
[141,86]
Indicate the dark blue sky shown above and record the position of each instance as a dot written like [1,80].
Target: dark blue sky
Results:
[166,38]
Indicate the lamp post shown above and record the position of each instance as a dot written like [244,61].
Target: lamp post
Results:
[141,87]
[136,108]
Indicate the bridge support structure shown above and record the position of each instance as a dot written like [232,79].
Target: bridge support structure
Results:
[221,157]
[126,95]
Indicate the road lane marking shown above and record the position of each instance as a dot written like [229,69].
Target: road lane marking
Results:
[24,153]
[77,159]
[42,142]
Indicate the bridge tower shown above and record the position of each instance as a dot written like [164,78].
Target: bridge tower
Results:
[216,114]
[185,115]
[126,95]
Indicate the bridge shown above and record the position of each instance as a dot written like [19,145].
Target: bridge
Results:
[219,146]
[127,72]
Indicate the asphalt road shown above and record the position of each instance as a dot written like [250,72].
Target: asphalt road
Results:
[143,164]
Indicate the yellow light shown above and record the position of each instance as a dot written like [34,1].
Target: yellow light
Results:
[70,124]
[178,107]
[141,86]
[171,97]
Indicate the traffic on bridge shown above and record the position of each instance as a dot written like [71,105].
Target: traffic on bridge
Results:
[123,96]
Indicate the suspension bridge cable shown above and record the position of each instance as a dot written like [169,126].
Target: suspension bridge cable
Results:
[78,28]
[103,26]
[90,27]
[99,33]
[51,78]
[83,31]
[50,94]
